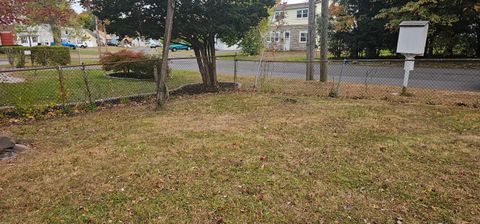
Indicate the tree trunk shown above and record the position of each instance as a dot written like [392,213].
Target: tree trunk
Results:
[324,42]
[99,42]
[371,52]
[310,39]
[162,91]
[57,34]
[430,46]
[206,60]
[477,50]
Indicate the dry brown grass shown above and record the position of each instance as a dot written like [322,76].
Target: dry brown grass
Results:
[362,91]
[248,157]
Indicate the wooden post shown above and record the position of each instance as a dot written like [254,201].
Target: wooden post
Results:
[310,39]
[235,67]
[162,92]
[61,81]
[324,43]
[87,84]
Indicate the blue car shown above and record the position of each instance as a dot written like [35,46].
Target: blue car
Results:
[66,44]
[175,47]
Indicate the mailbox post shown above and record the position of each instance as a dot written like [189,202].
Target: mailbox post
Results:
[411,43]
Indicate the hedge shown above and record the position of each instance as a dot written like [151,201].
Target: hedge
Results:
[16,55]
[40,55]
[51,55]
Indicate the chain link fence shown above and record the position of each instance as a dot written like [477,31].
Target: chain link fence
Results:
[433,81]
[66,85]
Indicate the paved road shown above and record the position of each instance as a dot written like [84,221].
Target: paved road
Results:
[438,78]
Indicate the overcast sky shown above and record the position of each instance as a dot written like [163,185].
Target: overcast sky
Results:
[79,9]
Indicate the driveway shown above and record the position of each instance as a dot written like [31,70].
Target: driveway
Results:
[436,78]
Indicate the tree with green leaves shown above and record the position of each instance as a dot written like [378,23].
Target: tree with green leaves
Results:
[454,24]
[197,22]
[252,42]
[367,33]
[368,26]
[86,20]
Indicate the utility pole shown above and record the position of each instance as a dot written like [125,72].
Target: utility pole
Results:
[98,37]
[310,39]
[162,91]
[324,43]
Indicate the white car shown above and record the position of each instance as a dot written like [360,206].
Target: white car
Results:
[82,44]
[154,44]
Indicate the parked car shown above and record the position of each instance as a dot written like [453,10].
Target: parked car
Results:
[82,44]
[113,44]
[154,45]
[66,44]
[178,46]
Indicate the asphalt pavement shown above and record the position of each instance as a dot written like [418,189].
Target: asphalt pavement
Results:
[436,78]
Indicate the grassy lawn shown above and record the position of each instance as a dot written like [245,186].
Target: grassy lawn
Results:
[42,87]
[249,157]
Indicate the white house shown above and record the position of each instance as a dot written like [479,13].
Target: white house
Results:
[34,35]
[288,28]
[42,35]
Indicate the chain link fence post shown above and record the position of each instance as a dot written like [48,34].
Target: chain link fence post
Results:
[61,82]
[87,84]
[235,68]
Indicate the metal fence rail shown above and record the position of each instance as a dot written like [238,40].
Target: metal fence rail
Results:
[433,81]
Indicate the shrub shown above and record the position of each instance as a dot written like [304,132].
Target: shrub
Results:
[131,64]
[41,55]
[51,55]
[15,55]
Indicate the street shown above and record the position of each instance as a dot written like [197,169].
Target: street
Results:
[435,78]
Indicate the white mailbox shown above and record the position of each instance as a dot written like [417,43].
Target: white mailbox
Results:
[412,38]
[411,42]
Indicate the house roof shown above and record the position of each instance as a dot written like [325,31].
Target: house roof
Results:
[91,33]
[292,6]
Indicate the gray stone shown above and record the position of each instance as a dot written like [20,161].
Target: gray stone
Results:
[19,148]
[6,142]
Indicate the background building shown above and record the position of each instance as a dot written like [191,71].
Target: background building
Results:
[288,29]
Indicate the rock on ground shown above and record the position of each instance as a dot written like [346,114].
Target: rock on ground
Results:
[6,142]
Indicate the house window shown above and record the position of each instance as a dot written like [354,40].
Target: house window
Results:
[277,37]
[269,37]
[302,13]
[34,39]
[24,40]
[302,37]
[278,15]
